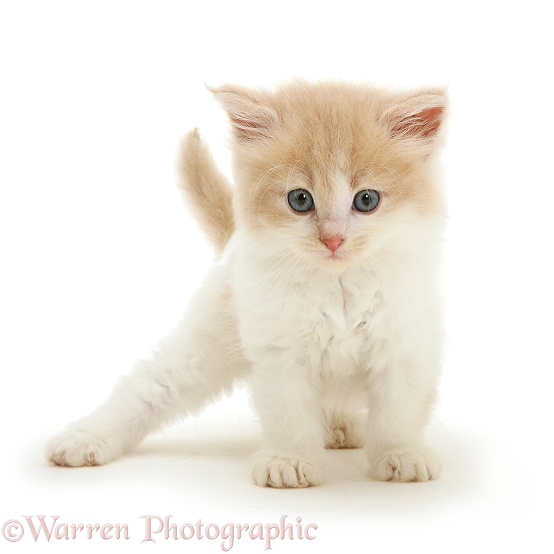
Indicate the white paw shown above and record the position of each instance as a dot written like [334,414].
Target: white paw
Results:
[405,465]
[344,434]
[79,448]
[286,471]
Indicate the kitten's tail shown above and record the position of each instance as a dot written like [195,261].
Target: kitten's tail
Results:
[206,190]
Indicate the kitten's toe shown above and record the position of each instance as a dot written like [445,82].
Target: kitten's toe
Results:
[79,448]
[286,471]
[406,465]
[347,433]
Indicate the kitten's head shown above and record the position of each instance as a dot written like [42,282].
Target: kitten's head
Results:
[334,172]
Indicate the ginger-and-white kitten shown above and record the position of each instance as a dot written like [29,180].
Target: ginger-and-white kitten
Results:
[325,298]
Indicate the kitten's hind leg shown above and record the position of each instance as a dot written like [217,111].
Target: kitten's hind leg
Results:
[198,362]
[343,403]
[344,430]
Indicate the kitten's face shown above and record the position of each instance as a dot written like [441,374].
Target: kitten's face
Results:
[334,173]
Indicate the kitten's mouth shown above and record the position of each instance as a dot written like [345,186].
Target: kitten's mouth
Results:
[335,262]
[335,257]
[338,259]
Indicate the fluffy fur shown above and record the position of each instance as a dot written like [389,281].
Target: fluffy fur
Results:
[202,182]
[341,346]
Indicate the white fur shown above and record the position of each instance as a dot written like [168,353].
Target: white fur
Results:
[324,346]
[319,348]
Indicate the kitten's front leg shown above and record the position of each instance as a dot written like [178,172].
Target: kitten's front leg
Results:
[293,450]
[399,409]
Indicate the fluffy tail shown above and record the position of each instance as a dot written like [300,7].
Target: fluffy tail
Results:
[206,190]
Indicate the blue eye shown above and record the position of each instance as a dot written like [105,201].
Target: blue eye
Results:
[366,200]
[300,200]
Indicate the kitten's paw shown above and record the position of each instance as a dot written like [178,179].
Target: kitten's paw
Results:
[79,448]
[347,433]
[406,465]
[282,471]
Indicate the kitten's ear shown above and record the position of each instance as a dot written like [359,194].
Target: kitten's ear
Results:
[417,118]
[249,112]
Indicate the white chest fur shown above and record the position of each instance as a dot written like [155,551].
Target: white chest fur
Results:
[324,320]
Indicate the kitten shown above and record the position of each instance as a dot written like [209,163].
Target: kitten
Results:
[325,298]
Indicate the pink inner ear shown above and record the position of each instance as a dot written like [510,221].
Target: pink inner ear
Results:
[421,124]
[244,123]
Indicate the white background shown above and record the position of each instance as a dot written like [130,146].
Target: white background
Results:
[99,256]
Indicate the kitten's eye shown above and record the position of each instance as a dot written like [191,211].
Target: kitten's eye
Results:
[366,200]
[301,200]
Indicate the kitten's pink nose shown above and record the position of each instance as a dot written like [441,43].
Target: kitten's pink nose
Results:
[332,243]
